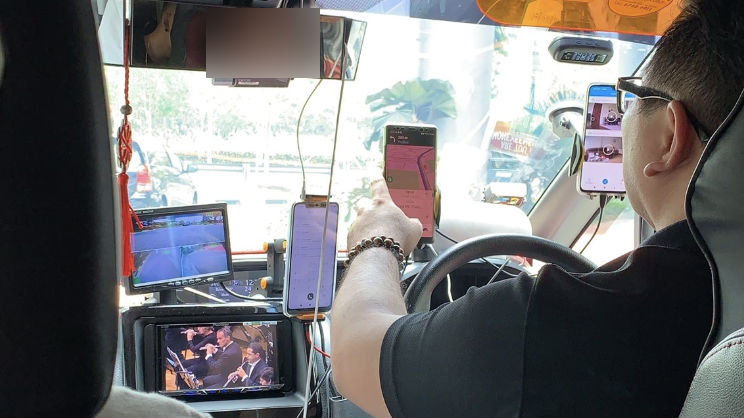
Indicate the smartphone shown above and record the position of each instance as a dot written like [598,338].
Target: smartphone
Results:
[602,168]
[410,172]
[303,258]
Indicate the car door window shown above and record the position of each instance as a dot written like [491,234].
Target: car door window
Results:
[136,160]
[160,158]
[616,234]
[175,161]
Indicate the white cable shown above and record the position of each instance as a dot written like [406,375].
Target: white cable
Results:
[449,288]
[498,271]
[319,384]
[322,256]
[202,294]
[297,134]
[449,279]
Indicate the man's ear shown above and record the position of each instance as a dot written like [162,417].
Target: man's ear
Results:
[680,138]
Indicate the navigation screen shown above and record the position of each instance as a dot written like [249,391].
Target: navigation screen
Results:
[410,162]
[602,170]
[181,249]
[304,257]
[200,359]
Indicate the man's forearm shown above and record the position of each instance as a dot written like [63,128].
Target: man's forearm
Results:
[371,285]
[368,302]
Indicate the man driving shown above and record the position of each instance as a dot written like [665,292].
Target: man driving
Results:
[622,340]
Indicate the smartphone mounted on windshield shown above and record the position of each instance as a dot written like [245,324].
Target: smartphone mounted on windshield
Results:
[410,172]
[602,166]
[306,230]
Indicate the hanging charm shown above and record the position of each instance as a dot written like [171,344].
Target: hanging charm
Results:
[124,148]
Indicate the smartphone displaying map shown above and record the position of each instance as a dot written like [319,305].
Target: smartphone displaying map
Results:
[410,172]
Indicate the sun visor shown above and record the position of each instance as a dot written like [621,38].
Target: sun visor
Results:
[641,17]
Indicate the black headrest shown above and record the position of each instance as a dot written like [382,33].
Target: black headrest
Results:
[58,277]
[715,210]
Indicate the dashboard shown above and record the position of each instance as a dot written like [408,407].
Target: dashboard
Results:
[149,331]
[216,334]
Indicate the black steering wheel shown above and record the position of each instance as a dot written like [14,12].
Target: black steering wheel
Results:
[418,295]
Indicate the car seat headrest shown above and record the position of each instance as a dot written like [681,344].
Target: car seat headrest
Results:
[58,214]
[714,211]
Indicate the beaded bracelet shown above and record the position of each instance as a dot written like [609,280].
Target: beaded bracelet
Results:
[381,242]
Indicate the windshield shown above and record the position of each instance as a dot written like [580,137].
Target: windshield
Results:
[486,88]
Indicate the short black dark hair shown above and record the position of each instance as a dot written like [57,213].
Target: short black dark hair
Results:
[257,349]
[267,375]
[700,59]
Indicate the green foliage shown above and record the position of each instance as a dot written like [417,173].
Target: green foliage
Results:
[319,123]
[161,104]
[549,152]
[499,39]
[411,101]
[354,196]
[228,124]
[561,94]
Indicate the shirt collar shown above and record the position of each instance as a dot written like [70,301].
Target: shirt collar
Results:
[676,235]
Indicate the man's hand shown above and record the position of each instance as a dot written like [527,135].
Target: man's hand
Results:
[211,349]
[241,372]
[190,334]
[382,217]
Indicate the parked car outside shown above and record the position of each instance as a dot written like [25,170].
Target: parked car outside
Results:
[157,178]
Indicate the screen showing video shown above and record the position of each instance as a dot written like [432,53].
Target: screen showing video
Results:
[603,161]
[219,358]
[179,248]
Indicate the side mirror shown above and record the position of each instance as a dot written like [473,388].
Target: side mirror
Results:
[191,168]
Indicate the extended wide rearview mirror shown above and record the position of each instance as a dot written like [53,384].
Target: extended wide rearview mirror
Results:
[227,42]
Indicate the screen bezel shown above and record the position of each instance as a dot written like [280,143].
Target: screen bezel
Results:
[171,285]
[288,270]
[580,177]
[413,127]
[154,363]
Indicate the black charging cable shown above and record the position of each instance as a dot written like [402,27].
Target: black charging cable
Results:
[603,199]
[246,297]
[499,269]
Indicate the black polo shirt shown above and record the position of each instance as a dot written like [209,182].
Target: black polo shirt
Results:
[621,341]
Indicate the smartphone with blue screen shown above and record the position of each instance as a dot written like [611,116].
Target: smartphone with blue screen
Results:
[306,231]
[602,168]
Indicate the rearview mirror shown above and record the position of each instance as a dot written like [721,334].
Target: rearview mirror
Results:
[254,42]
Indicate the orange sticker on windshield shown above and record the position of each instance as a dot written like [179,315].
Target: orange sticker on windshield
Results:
[640,17]
[544,13]
[634,8]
